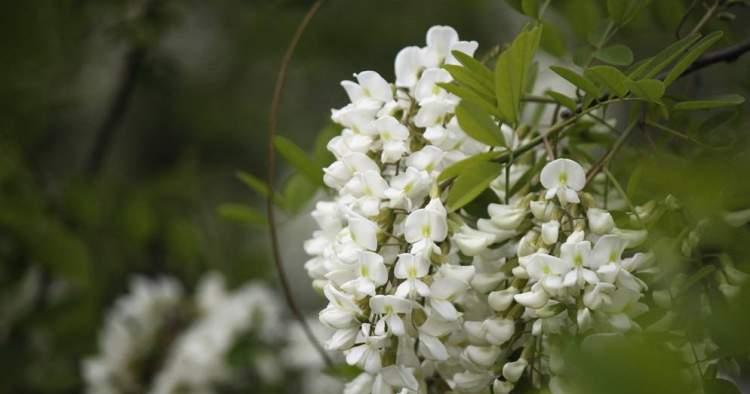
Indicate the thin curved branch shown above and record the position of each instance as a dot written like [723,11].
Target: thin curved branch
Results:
[272,123]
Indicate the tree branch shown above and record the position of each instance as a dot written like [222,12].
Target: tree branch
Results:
[726,55]
[272,123]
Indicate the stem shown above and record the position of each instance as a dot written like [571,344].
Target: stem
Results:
[706,17]
[272,123]
[604,161]
[726,55]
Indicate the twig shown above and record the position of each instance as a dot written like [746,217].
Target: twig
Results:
[272,123]
[604,161]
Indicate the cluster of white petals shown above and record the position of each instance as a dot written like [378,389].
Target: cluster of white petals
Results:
[419,296]
[183,343]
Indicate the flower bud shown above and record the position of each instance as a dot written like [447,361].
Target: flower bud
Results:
[501,300]
[505,216]
[513,371]
[550,232]
[472,242]
[498,331]
[600,221]
[483,356]
[532,299]
[543,210]
[485,283]
[502,387]
[584,319]
[470,381]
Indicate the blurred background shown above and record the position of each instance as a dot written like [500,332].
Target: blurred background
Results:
[123,124]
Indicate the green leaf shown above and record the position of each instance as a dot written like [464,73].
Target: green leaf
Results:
[564,100]
[577,80]
[720,386]
[531,8]
[476,67]
[241,213]
[460,166]
[653,66]
[298,191]
[254,183]
[553,40]
[650,89]
[610,78]
[510,73]
[691,56]
[525,179]
[299,159]
[464,77]
[710,103]
[619,55]
[471,96]
[479,125]
[617,10]
[471,183]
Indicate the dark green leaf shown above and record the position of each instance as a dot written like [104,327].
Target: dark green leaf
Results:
[577,80]
[298,191]
[479,125]
[720,386]
[691,56]
[710,103]
[241,213]
[471,183]
[610,78]
[619,55]
[459,167]
[299,159]
[510,73]
[617,9]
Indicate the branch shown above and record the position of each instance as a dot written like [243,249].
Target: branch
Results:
[726,55]
[133,63]
[272,123]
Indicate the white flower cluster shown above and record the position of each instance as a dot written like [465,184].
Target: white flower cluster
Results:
[131,330]
[183,343]
[418,296]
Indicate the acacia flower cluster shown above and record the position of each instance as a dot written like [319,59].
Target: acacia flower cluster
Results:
[422,297]
[156,340]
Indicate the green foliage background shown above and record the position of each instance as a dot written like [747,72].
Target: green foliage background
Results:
[198,114]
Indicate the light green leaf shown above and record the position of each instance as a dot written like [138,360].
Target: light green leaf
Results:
[729,100]
[653,66]
[466,78]
[299,159]
[241,213]
[476,67]
[479,125]
[553,41]
[471,183]
[531,8]
[471,96]
[692,56]
[564,100]
[460,166]
[610,78]
[510,73]
[577,80]
[650,89]
[619,55]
